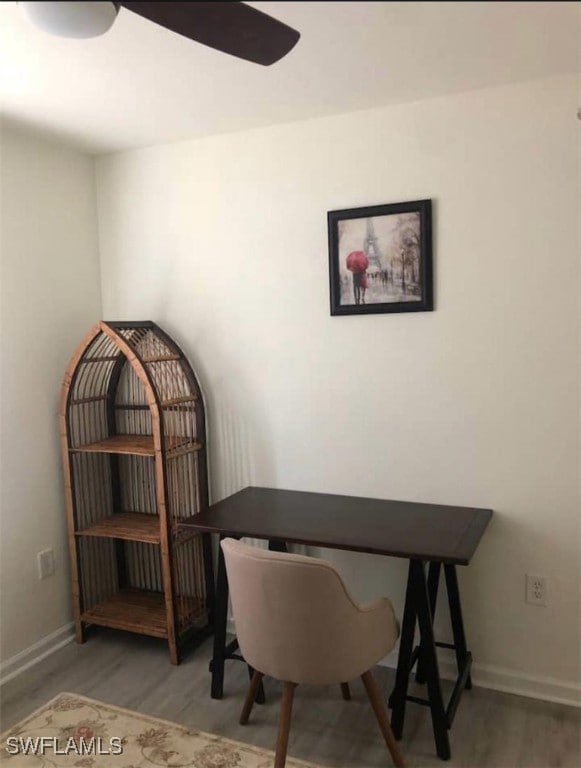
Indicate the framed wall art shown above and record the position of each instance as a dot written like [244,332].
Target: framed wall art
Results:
[380,258]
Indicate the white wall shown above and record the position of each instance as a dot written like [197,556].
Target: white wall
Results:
[223,241]
[50,297]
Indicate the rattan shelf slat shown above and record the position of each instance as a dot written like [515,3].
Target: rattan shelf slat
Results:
[86,400]
[161,359]
[102,359]
[178,401]
[131,526]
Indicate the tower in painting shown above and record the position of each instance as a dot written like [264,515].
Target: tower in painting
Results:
[371,246]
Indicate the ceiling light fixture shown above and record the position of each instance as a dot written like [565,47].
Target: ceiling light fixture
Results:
[72,19]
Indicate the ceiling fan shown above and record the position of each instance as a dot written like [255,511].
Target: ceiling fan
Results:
[231,27]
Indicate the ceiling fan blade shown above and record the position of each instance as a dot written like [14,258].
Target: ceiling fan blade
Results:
[230,27]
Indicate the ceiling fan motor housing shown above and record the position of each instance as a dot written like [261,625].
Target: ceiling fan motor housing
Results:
[77,19]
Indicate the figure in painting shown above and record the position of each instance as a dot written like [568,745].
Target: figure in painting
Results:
[357,263]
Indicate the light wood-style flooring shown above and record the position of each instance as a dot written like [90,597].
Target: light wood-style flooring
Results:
[491,730]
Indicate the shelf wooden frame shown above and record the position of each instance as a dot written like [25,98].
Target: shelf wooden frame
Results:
[136,445]
[133,437]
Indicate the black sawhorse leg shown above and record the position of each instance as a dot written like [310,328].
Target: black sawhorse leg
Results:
[421,597]
[459,645]
[463,657]
[398,698]
[220,619]
[417,606]
[433,582]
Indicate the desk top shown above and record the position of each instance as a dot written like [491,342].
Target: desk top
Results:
[397,528]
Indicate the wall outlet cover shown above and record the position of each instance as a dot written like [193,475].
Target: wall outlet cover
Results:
[45,563]
[536,589]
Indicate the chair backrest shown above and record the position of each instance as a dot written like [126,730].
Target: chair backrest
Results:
[295,620]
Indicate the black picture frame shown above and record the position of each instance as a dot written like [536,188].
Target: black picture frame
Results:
[399,258]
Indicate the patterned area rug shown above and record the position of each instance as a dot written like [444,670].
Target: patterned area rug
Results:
[72,730]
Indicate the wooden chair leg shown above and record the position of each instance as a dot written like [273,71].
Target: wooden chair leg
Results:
[380,711]
[286,708]
[250,697]
[345,691]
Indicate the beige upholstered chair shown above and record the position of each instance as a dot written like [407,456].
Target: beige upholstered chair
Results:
[296,622]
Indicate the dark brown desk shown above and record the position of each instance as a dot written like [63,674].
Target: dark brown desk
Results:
[429,535]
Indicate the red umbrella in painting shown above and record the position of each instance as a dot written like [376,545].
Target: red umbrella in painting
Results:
[357,261]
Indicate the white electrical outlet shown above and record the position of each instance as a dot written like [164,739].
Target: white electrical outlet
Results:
[536,589]
[45,561]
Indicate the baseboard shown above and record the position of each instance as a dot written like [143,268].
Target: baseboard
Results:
[36,653]
[509,681]
[483,675]
[495,678]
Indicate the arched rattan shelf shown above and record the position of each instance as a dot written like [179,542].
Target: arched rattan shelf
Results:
[134,455]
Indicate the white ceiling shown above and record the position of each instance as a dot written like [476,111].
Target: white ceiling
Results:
[141,84]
